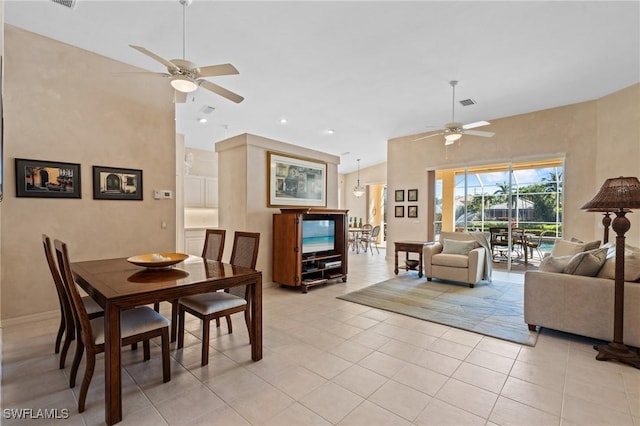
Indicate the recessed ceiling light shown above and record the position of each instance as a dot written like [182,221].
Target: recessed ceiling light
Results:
[330,131]
[283,121]
[202,120]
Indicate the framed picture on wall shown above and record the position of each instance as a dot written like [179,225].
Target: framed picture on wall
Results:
[412,195]
[399,195]
[114,183]
[295,181]
[47,179]
[412,211]
[399,211]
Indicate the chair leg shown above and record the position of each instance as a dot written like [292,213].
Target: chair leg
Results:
[91,363]
[181,314]
[166,366]
[146,350]
[156,306]
[174,317]
[70,336]
[205,341]
[247,321]
[76,363]
[229,324]
[59,335]
[217,322]
[134,346]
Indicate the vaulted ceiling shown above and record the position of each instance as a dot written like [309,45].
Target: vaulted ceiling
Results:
[368,70]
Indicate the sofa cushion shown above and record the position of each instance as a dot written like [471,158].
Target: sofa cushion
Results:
[554,263]
[450,260]
[457,247]
[631,267]
[587,263]
[566,248]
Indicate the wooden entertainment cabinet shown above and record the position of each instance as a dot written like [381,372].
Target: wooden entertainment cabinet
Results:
[294,268]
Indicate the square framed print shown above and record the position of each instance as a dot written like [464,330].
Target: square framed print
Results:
[412,195]
[114,183]
[47,179]
[295,181]
[399,211]
[412,211]
[399,195]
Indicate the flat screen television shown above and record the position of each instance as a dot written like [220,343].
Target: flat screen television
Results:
[318,235]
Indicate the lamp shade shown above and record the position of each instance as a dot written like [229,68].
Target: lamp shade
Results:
[616,194]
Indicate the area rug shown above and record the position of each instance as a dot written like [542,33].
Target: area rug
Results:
[490,308]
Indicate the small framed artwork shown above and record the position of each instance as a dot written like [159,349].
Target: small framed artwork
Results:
[113,183]
[47,179]
[294,181]
[412,195]
[412,211]
[399,195]
[399,211]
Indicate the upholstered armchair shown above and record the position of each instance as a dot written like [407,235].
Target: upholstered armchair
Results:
[458,256]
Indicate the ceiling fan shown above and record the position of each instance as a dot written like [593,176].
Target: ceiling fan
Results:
[185,75]
[454,130]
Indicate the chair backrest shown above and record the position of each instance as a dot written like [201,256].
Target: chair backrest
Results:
[214,244]
[375,232]
[79,310]
[497,234]
[65,305]
[245,249]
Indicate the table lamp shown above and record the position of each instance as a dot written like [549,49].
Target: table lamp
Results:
[618,195]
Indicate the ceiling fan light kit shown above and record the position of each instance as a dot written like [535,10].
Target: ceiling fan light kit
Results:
[183,84]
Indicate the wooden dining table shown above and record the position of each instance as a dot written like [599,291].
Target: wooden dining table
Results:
[117,284]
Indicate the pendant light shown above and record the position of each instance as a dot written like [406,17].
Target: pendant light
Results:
[358,191]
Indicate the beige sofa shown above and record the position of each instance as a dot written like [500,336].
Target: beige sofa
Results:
[580,305]
[470,268]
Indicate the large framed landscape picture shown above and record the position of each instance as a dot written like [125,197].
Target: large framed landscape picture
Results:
[47,179]
[113,183]
[295,181]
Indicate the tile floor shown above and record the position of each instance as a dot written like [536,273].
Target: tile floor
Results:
[328,361]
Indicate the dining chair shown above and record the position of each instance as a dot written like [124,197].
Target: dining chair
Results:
[136,325]
[67,325]
[364,235]
[215,305]
[498,241]
[212,249]
[537,243]
[372,240]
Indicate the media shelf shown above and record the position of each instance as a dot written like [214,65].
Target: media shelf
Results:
[294,263]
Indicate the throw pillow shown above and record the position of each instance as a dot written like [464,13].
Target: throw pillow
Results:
[587,263]
[631,267]
[457,247]
[554,263]
[591,245]
[566,248]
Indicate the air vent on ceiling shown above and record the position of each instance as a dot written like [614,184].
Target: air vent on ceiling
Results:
[467,102]
[207,109]
[67,3]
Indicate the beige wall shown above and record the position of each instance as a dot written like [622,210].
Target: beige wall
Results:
[598,139]
[66,104]
[242,183]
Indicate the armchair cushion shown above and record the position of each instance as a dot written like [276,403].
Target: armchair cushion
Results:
[587,263]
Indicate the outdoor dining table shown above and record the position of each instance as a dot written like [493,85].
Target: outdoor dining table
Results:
[117,284]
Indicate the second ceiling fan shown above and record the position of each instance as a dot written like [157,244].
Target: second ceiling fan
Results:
[454,130]
[185,75]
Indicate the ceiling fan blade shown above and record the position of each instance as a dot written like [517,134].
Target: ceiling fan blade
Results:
[427,137]
[479,133]
[167,63]
[220,91]
[476,124]
[179,97]
[215,70]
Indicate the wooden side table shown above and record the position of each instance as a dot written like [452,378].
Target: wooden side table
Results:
[410,247]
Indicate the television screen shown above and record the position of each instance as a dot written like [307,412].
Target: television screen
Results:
[318,235]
